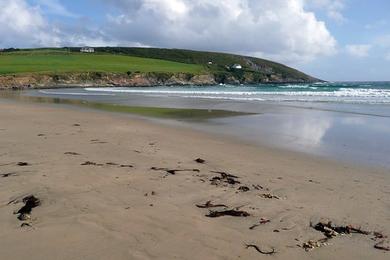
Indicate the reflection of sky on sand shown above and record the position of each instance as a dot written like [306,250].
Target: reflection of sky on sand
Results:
[309,131]
[356,138]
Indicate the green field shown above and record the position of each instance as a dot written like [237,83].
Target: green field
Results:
[61,61]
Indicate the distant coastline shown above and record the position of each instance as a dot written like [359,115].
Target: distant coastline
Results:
[136,67]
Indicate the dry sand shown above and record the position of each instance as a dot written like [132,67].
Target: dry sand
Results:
[106,211]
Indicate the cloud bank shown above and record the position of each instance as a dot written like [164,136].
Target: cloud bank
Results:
[22,25]
[280,29]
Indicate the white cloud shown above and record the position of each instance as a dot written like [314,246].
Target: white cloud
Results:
[24,25]
[278,29]
[334,8]
[377,24]
[358,50]
[55,7]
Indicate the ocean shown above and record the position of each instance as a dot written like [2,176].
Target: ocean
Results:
[345,92]
[345,121]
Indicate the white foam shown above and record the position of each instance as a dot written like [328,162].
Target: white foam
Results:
[312,94]
[74,93]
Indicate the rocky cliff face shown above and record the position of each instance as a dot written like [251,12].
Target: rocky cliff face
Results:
[97,79]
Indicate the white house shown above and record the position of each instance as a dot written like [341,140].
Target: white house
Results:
[237,67]
[210,63]
[87,50]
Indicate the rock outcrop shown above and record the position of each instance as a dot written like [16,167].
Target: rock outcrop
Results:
[100,79]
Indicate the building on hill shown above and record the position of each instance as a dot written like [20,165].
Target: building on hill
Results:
[87,50]
[236,66]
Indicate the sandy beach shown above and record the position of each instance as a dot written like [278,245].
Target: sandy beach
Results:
[115,187]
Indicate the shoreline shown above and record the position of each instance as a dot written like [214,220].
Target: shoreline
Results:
[102,210]
[104,79]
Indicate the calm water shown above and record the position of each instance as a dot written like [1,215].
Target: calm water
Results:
[343,121]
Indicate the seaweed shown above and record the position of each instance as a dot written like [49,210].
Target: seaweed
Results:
[230,212]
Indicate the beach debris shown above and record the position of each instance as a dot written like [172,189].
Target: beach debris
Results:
[200,160]
[312,244]
[151,193]
[26,224]
[257,187]
[126,166]
[30,202]
[23,164]
[261,222]
[378,235]
[72,153]
[173,171]
[243,189]
[40,135]
[257,248]
[230,212]
[208,204]
[87,163]
[330,231]
[76,125]
[269,196]
[111,164]
[97,141]
[380,245]
[224,178]
[5,175]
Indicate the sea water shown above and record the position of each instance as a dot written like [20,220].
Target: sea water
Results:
[348,121]
[354,92]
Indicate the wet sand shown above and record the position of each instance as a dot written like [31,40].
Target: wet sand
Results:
[101,199]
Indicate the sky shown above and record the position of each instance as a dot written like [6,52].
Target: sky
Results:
[335,40]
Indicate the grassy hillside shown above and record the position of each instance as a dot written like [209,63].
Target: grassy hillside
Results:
[165,62]
[220,60]
[59,61]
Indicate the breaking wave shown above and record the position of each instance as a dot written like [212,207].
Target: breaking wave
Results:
[324,92]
